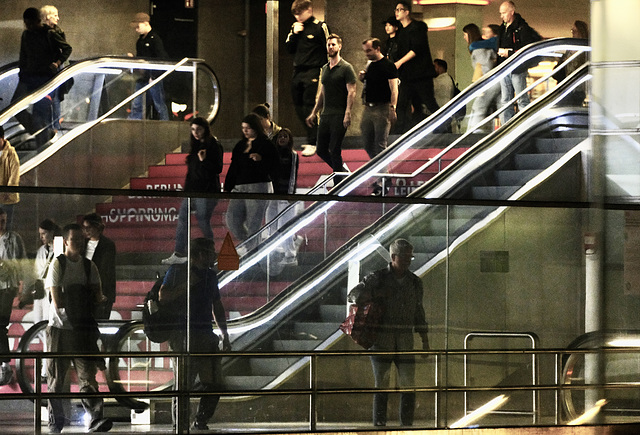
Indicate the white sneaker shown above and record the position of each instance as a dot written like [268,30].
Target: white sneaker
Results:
[175,259]
[308,150]
[6,374]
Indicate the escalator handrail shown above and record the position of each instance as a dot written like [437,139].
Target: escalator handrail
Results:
[388,155]
[430,188]
[430,124]
[366,241]
[49,151]
[80,67]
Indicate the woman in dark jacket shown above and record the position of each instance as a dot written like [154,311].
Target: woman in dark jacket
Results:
[254,169]
[204,165]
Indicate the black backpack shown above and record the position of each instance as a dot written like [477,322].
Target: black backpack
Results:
[460,114]
[159,320]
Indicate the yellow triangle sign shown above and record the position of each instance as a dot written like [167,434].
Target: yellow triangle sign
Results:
[228,258]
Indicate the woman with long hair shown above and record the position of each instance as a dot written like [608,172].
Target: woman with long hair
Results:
[483,59]
[254,168]
[204,165]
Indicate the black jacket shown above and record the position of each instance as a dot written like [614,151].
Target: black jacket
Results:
[204,176]
[516,35]
[414,38]
[105,259]
[39,48]
[309,47]
[244,170]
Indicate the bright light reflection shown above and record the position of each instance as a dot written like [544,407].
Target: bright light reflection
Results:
[625,342]
[441,22]
[589,414]
[476,415]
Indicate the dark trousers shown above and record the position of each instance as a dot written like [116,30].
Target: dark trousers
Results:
[6,304]
[40,117]
[420,96]
[204,373]
[71,341]
[304,88]
[331,132]
[405,365]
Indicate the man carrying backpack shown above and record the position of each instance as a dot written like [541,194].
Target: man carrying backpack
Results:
[74,286]
[205,307]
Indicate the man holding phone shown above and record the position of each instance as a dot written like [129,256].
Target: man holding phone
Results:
[514,34]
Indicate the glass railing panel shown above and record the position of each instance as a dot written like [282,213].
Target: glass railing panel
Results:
[8,83]
[99,89]
[500,281]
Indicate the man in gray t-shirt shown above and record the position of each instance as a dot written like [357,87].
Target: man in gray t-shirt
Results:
[334,102]
[74,286]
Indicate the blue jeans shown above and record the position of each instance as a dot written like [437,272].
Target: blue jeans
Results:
[405,365]
[204,210]
[482,107]
[157,96]
[511,85]
[245,216]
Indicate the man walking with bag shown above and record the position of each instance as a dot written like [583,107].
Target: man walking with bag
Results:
[399,292]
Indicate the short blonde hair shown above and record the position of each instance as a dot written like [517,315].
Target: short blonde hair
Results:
[46,11]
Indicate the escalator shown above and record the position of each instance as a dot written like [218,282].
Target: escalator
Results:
[100,91]
[518,161]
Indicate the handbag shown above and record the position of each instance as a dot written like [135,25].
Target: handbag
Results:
[362,323]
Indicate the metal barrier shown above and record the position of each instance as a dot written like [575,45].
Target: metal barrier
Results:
[565,385]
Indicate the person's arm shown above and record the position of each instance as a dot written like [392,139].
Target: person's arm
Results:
[291,43]
[109,267]
[221,320]
[95,285]
[351,97]
[393,85]
[232,172]
[56,297]
[420,321]
[406,58]
[52,282]
[317,108]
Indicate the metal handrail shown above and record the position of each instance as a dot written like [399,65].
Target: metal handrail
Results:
[534,371]
[440,355]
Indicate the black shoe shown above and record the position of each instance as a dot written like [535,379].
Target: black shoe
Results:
[101,425]
[199,425]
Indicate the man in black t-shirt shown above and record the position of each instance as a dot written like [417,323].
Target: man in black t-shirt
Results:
[380,96]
